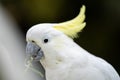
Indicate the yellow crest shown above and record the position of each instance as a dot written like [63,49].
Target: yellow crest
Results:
[72,27]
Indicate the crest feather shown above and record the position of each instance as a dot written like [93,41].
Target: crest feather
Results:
[72,27]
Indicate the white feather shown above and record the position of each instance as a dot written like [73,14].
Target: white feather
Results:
[65,60]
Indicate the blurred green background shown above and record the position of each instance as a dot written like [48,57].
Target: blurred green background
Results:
[101,35]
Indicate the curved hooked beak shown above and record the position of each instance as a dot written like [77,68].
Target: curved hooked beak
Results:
[33,51]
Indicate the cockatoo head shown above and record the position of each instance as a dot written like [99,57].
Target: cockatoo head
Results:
[39,37]
[48,38]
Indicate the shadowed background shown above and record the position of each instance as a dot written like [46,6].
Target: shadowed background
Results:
[101,35]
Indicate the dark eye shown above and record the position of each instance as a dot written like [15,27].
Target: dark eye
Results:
[45,40]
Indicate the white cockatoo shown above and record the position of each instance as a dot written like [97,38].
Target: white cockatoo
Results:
[52,44]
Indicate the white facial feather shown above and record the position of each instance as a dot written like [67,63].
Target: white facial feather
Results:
[55,49]
[41,31]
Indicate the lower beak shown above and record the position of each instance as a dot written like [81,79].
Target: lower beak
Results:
[33,51]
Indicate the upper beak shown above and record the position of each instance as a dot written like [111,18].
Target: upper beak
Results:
[34,51]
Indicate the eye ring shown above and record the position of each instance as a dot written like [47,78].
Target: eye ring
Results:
[45,40]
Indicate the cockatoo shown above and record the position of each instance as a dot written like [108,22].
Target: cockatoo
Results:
[52,44]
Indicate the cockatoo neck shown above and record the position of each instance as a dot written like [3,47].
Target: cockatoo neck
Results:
[62,53]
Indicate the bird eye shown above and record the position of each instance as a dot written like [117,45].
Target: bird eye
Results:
[45,40]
